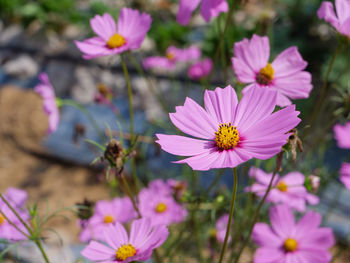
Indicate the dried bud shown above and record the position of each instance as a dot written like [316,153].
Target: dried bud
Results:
[294,143]
[313,181]
[79,131]
[114,153]
[85,209]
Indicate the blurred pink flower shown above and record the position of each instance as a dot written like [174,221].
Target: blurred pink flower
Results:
[342,135]
[289,189]
[138,246]
[160,207]
[288,241]
[173,55]
[170,187]
[105,214]
[341,21]
[285,74]
[230,132]
[200,69]
[209,9]
[17,199]
[221,225]
[178,187]
[112,39]
[345,175]
[47,92]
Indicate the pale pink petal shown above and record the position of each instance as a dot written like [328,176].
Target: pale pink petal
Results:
[269,255]
[186,54]
[309,222]
[343,10]
[243,72]
[283,100]
[212,8]
[345,28]
[321,238]
[231,158]
[93,47]
[115,235]
[342,135]
[200,69]
[202,162]
[312,199]
[293,179]
[326,12]
[315,255]
[221,104]
[183,146]
[194,120]
[155,239]
[261,176]
[158,62]
[345,174]
[139,230]
[282,221]
[263,236]
[103,26]
[185,11]
[97,251]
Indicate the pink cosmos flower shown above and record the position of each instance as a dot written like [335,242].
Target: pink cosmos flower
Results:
[114,38]
[105,214]
[170,187]
[230,132]
[138,246]
[47,92]
[289,189]
[285,74]
[345,175]
[221,225]
[342,135]
[17,198]
[288,241]
[200,69]
[209,9]
[173,55]
[160,208]
[341,22]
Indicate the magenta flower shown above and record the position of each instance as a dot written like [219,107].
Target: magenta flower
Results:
[160,208]
[220,226]
[173,55]
[230,132]
[113,39]
[345,175]
[289,189]
[341,22]
[178,187]
[200,69]
[17,198]
[47,92]
[105,214]
[209,9]
[342,135]
[285,74]
[138,246]
[288,241]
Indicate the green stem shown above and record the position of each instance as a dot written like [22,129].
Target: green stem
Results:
[130,195]
[318,104]
[37,240]
[80,107]
[228,229]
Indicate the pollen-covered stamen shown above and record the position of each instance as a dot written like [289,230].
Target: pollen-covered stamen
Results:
[227,136]
[125,252]
[290,245]
[282,186]
[161,207]
[265,75]
[170,56]
[2,219]
[108,219]
[115,41]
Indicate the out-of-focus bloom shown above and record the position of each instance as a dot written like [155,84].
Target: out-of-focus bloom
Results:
[285,74]
[341,21]
[200,69]
[105,214]
[105,96]
[314,182]
[173,55]
[178,187]
[342,135]
[138,246]
[47,92]
[345,175]
[17,199]
[288,241]
[289,189]
[230,132]
[209,9]
[160,208]
[221,225]
[112,38]
[169,187]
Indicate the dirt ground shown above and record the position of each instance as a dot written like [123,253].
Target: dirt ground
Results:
[23,162]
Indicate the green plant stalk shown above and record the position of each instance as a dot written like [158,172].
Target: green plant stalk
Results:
[228,229]
[36,239]
[128,192]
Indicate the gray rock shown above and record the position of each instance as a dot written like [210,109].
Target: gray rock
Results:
[61,76]
[22,66]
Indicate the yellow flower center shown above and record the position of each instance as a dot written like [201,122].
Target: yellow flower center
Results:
[227,137]
[265,76]
[115,41]
[282,186]
[125,252]
[161,207]
[2,219]
[290,245]
[108,219]
[170,56]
